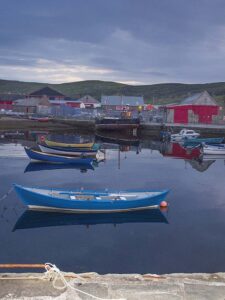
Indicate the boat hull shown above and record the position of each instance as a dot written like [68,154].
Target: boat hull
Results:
[53,150]
[68,145]
[214,150]
[49,202]
[51,158]
[117,123]
[178,138]
[116,126]
[198,141]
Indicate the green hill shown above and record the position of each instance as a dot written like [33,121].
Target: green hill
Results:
[157,93]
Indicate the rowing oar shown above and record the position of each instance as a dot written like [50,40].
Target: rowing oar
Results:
[15,266]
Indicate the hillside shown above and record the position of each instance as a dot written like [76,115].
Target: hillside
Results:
[157,93]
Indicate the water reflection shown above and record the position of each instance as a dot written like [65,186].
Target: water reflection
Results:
[35,219]
[13,143]
[39,166]
[196,214]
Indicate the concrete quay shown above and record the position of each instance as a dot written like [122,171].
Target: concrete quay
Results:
[153,129]
[114,286]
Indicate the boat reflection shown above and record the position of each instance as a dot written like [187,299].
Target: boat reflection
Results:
[193,156]
[117,139]
[42,166]
[176,150]
[37,219]
[200,165]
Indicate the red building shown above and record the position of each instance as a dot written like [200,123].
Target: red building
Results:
[199,108]
[6,104]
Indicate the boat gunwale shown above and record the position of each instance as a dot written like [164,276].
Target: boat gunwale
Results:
[92,193]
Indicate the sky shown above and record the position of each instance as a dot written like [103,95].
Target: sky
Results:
[129,41]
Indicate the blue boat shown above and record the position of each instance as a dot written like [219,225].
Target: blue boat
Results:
[68,152]
[81,201]
[53,158]
[199,141]
[38,219]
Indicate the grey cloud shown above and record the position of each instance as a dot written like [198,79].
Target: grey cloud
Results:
[138,40]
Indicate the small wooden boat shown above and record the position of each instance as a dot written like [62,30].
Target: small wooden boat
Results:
[53,158]
[69,151]
[80,201]
[68,145]
[114,123]
[199,141]
[118,140]
[38,219]
[213,149]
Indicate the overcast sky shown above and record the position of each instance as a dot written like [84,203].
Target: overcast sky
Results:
[130,41]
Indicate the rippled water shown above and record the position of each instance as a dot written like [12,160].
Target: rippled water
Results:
[189,237]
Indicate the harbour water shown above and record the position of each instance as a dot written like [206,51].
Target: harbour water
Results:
[188,237]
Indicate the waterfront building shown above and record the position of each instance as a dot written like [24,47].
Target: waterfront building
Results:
[32,105]
[6,104]
[48,92]
[89,101]
[121,103]
[198,108]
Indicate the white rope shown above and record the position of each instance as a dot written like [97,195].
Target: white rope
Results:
[53,272]
[6,194]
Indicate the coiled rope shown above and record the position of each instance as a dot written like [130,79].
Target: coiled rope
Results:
[53,273]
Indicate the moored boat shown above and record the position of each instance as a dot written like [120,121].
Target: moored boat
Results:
[184,134]
[198,141]
[53,158]
[116,123]
[69,151]
[213,149]
[81,201]
[68,145]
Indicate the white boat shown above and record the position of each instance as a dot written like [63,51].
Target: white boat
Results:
[214,149]
[184,134]
[207,157]
[51,150]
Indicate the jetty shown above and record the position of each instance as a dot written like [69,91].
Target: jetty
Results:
[87,286]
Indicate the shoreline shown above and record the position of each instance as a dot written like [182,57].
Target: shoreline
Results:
[113,286]
[145,129]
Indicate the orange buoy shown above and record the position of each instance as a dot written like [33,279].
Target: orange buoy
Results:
[163,204]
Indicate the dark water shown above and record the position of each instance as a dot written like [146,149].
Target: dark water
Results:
[190,237]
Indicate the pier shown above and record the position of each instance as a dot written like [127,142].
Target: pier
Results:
[113,286]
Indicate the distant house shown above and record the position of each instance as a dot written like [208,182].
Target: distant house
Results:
[48,92]
[122,102]
[6,104]
[198,108]
[89,101]
[31,105]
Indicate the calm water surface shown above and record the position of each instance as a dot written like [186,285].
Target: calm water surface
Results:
[189,237]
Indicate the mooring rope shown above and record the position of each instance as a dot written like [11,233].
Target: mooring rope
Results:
[53,272]
[6,194]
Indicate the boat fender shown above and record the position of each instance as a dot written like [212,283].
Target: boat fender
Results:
[164,204]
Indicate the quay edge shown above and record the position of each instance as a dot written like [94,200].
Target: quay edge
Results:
[153,129]
[145,129]
[115,286]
